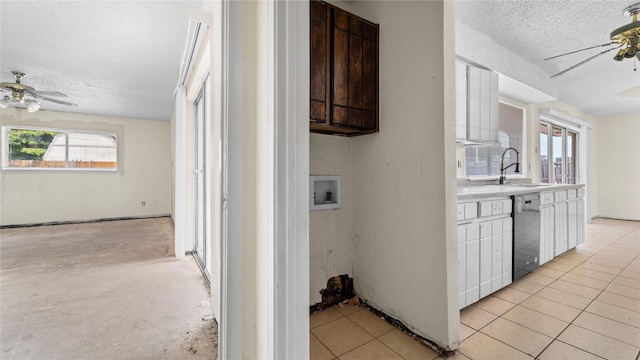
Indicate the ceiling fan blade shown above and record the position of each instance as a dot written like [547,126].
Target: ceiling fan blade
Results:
[583,62]
[573,52]
[50,93]
[56,101]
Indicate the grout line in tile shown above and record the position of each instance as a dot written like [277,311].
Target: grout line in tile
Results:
[592,300]
[554,340]
[498,340]
[325,346]
[605,335]
[359,346]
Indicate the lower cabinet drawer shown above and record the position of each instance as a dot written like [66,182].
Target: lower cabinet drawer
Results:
[560,195]
[494,207]
[546,198]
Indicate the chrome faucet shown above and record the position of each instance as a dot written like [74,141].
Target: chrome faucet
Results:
[503,168]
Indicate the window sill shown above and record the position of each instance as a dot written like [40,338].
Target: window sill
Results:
[491,180]
[11,169]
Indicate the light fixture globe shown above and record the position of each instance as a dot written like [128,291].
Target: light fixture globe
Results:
[33,106]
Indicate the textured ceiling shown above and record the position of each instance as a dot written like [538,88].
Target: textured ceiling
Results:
[117,58]
[534,30]
[122,58]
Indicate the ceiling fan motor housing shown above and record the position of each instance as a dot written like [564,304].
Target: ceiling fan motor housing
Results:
[628,35]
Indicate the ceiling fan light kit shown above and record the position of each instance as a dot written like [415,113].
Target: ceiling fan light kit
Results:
[625,38]
[23,96]
[32,106]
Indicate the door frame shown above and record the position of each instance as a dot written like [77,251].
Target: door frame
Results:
[201,199]
[282,332]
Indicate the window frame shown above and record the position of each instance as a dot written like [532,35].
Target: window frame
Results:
[5,149]
[565,129]
[524,168]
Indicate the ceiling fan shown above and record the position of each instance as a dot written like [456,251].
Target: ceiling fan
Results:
[624,38]
[23,96]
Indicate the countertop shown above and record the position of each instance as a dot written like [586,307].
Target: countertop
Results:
[487,191]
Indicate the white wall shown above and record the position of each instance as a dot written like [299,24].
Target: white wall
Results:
[331,236]
[618,159]
[144,174]
[405,257]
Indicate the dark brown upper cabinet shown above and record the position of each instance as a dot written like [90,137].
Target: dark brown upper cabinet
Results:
[344,72]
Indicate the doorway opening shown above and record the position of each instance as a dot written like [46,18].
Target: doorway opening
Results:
[202,233]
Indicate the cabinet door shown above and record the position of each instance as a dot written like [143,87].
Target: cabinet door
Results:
[474,112]
[462,265]
[546,234]
[354,72]
[319,59]
[580,220]
[507,257]
[461,100]
[572,224]
[496,256]
[493,107]
[485,258]
[560,233]
[473,273]
[485,105]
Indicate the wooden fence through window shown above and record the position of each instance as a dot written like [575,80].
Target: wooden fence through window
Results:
[62,164]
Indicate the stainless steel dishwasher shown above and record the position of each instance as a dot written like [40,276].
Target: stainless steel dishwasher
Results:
[526,235]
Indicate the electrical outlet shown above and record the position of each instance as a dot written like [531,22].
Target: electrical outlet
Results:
[459,164]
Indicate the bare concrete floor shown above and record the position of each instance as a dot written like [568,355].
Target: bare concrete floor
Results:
[108,290]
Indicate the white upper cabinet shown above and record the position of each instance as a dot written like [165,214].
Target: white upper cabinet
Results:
[461,100]
[477,103]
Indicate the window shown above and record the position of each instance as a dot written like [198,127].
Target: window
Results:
[485,160]
[562,144]
[36,148]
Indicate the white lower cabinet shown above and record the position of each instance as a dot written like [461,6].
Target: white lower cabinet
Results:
[485,239]
[547,220]
[561,240]
[507,251]
[473,264]
[485,252]
[468,264]
[580,221]
[547,227]
[486,249]
[569,220]
[462,264]
[496,255]
[572,224]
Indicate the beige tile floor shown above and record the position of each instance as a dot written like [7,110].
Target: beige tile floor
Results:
[584,304]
